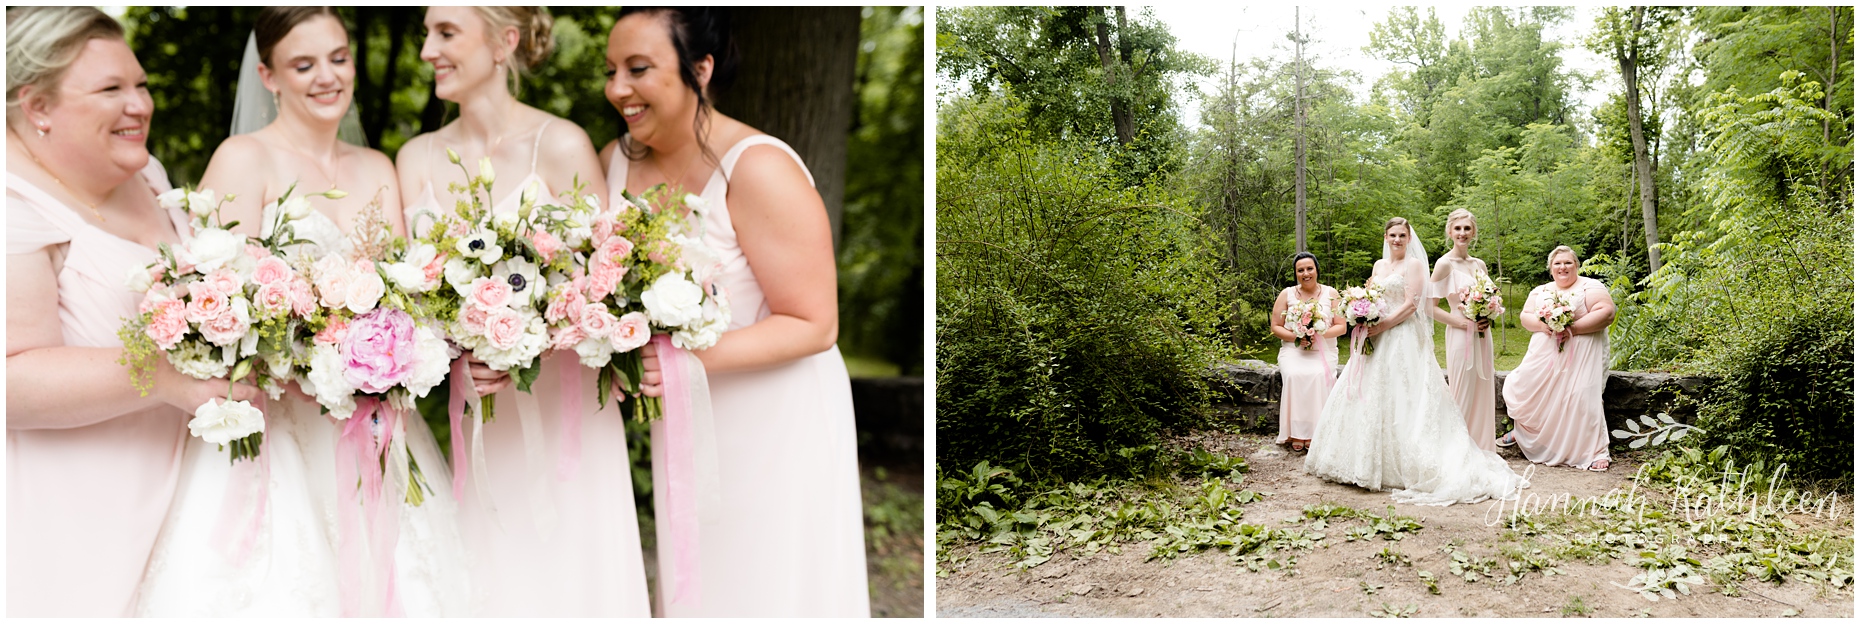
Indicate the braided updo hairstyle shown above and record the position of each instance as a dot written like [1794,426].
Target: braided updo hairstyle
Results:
[536,38]
[697,32]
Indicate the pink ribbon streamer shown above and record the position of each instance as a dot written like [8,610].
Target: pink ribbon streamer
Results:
[681,472]
[254,474]
[359,456]
[463,391]
[568,394]
[1358,335]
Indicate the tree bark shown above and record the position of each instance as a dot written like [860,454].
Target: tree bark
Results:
[796,84]
[1627,54]
[1120,111]
[1298,117]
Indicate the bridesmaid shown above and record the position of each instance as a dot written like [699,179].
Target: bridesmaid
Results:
[544,543]
[1555,399]
[1307,371]
[91,462]
[1469,355]
[788,538]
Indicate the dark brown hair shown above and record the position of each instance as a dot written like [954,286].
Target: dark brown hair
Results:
[275,22]
[697,32]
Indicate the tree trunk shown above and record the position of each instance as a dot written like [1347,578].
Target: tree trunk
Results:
[1120,111]
[1298,117]
[796,84]
[1627,53]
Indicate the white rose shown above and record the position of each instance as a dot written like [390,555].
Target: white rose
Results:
[594,352]
[460,274]
[673,301]
[365,290]
[218,422]
[212,248]
[328,383]
[433,360]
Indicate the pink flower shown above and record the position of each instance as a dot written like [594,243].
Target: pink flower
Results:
[271,269]
[303,301]
[151,298]
[205,302]
[662,252]
[547,245]
[434,269]
[566,305]
[380,350]
[472,319]
[596,321]
[603,227]
[169,323]
[227,328]
[274,299]
[257,252]
[604,278]
[630,332]
[504,328]
[332,281]
[335,333]
[614,250]
[488,293]
[226,281]
[566,338]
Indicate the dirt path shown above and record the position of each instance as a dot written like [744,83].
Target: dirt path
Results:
[1329,581]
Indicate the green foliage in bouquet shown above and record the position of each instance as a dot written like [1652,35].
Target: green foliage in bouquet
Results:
[1075,319]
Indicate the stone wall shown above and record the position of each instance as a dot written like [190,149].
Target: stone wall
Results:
[1249,395]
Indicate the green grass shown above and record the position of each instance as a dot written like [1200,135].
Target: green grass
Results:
[860,366]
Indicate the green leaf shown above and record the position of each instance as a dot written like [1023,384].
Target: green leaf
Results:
[527,375]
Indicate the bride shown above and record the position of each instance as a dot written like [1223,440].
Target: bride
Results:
[1389,423]
[261,538]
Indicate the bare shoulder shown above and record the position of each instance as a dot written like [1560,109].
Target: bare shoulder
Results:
[244,152]
[414,151]
[607,151]
[563,143]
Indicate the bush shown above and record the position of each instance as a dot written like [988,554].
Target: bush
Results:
[1788,397]
[1075,323]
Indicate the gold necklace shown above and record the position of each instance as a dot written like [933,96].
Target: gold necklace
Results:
[62,185]
[333,182]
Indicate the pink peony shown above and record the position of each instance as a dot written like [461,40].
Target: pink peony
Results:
[274,299]
[614,250]
[169,323]
[631,331]
[225,329]
[380,350]
[205,302]
[488,293]
[503,328]
[271,269]
[596,321]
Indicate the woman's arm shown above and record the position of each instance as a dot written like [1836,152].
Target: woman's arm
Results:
[238,169]
[53,386]
[1443,271]
[781,225]
[409,167]
[567,157]
[1278,319]
[1528,316]
[1601,312]
[1337,326]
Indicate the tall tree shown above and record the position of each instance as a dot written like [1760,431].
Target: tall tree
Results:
[1625,36]
[1298,117]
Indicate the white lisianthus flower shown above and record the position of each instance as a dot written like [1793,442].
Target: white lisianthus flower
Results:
[695,202]
[219,422]
[174,199]
[328,383]
[527,288]
[410,273]
[211,249]
[460,274]
[248,345]
[200,202]
[198,360]
[297,208]
[433,359]
[673,301]
[505,221]
[594,352]
[481,245]
[485,171]
[139,279]
[696,256]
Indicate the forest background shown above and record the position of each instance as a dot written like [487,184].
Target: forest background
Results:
[842,85]
[1097,257]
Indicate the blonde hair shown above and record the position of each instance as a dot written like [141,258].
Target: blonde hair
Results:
[1562,249]
[535,40]
[43,41]
[1457,214]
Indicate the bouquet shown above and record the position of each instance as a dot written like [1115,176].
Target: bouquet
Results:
[1482,301]
[1307,320]
[1558,312]
[646,271]
[1362,307]
[494,268]
[222,307]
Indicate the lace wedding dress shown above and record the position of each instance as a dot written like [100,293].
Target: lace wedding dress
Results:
[1389,423]
[260,538]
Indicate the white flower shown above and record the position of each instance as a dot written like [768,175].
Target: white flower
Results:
[504,222]
[481,245]
[174,199]
[673,301]
[327,382]
[217,422]
[433,359]
[139,279]
[200,202]
[702,335]
[198,360]
[695,202]
[526,288]
[296,208]
[460,274]
[529,344]
[248,345]
[696,256]
[484,170]
[365,290]
[212,248]
[594,352]
[530,192]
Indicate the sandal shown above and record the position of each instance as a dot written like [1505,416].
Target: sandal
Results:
[1600,465]
[1509,440]
[1299,446]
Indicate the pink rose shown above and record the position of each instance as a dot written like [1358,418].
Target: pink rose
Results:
[604,278]
[566,338]
[488,293]
[151,298]
[169,323]
[380,350]
[226,281]
[257,252]
[631,331]
[547,245]
[565,305]
[274,299]
[434,269]
[303,301]
[614,250]
[603,227]
[271,269]
[332,281]
[596,321]
[662,252]
[335,333]
[205,302]
[225,329]
[504,328]
[472,318]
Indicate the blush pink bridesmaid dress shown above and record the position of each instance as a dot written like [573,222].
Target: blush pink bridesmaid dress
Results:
[1306,376]
[1469,365]
[85,500]
[1555,398]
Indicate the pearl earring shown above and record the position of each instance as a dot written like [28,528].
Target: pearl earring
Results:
[42,129]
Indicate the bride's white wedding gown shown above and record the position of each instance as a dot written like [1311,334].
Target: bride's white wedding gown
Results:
[1389,423]
[290,568]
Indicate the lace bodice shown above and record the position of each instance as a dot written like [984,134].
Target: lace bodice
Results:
[318,229]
